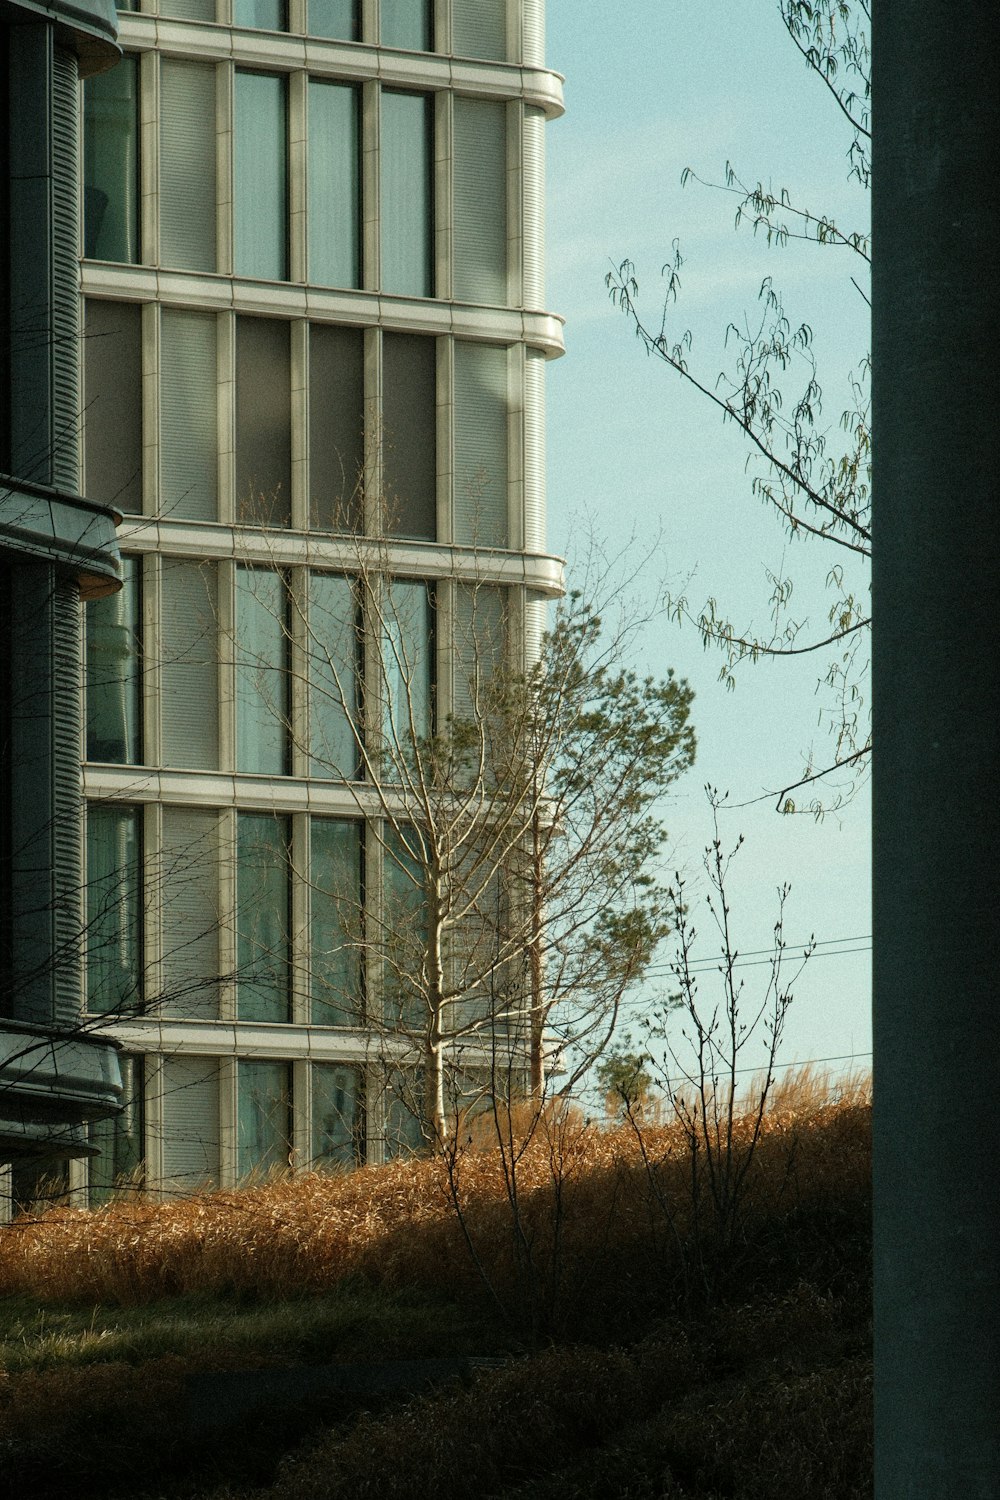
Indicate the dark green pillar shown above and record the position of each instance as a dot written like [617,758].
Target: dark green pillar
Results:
[937,750]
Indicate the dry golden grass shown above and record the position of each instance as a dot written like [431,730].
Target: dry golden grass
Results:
[759,1387]
[590,1202]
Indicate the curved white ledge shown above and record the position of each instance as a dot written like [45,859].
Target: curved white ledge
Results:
[281,51]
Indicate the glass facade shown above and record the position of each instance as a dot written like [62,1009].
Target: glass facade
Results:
[407,660]
[112,399]
[263,917]
[335,647]
[262,680]
[263,460]
[406,200]
[120,1166]
[337,928]
[409,443]
[334,228]
[407,23]
[114,909]
[311,373]
[260,173]
[264,1118]
[111,163]
[114,672]
[338,1116]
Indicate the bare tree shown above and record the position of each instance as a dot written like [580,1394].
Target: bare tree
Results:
[510,799]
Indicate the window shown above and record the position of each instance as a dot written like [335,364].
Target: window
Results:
[264,1124]
[260,15]
[481,410]
[407,23]
[337,19]
[263,422]
[114,909]
[337,921]
[189,1089]
[189,426]
[407,194]
[119,1140]
[263,917]
[114,677]
[479,29]
[480,207]
[336,427]
[334,227]
[189,664]
[409,450]
[188,10]
[407,652]
[334,654]
[262,680]
[111,163]
[187,165]
[338,1116]
[112,398]
[405,928]
[403,1104]
[480,644]
[260,176]
[189,913]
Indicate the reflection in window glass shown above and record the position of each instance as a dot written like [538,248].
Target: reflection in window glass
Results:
[119,1140]
[114,674]
[263,422]
[404,1134]
[262,680]
[336,427]
[409,449]
[263,917]
[407,23]
[407,653]
[114,938]
[334,228]
[406,198]
[260,177]
[111,163]
[405,929]
[260,15]
[264,1123]
[338,1116]
[336,932]
[334,18]
[334,650]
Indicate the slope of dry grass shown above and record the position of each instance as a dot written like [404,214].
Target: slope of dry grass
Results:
[706,1363]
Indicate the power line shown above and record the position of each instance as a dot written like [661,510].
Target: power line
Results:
[749,960]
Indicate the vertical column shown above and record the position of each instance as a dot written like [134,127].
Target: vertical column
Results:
[936,696]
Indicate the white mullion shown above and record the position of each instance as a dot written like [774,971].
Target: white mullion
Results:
[443,195]
[299,362]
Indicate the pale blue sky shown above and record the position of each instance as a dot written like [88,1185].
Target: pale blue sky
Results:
[660,85]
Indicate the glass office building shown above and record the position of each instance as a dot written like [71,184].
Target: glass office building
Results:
[314,352]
